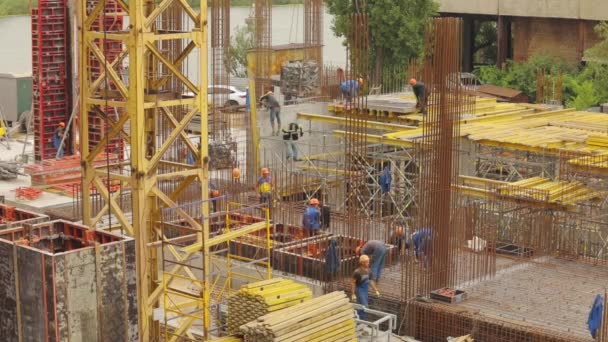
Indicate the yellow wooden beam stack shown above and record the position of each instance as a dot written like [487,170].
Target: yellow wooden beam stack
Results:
[328,318]
[258,299]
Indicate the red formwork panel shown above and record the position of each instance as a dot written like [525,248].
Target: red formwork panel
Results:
[49,80]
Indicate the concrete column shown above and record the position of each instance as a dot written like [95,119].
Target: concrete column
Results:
[468,42]
[581,39]
[504,39]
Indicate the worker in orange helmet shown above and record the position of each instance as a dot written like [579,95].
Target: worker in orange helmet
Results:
[311,220]
[421,94]
[264,188]
[350,88]
[57,137]
[214,194]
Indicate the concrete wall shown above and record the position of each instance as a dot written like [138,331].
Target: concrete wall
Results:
[78,295]
[556,37]
[572,9]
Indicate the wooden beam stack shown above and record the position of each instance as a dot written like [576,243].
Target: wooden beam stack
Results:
[323,319]
[258,299]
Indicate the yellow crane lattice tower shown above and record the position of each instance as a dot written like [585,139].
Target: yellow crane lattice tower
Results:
[150,112]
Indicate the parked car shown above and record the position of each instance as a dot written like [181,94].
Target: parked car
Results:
[232,96]
[236,97]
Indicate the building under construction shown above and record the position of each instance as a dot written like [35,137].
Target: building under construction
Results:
[145,216]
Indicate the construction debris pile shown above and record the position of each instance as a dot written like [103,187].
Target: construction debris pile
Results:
[9,170]
[222,155]
[325,318]
[300,78]
[258,299]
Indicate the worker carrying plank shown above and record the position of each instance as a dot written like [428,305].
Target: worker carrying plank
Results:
[273,105]
[360,284]
[421,95]
[376,250]
[311,220]
[350,88]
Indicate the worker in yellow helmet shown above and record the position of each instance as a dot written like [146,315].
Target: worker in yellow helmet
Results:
[264,188]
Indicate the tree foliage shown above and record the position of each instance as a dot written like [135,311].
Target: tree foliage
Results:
[522,76]
[396,27]
[14,7]
[599,53]
[241,41]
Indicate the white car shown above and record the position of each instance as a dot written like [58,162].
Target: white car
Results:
[235,96]
[231,96]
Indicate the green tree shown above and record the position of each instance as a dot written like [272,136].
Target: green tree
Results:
[486,43]
[599,53]
[522,76]
[396,27]
[14,7]
[585,95]
[240,43]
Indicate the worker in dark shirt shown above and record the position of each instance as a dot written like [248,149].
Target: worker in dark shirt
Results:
[290,136]
[360,284]
[275,110]
[376,250]
[421,94]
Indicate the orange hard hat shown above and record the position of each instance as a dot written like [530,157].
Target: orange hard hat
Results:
[265,171]
[360,80]
[314,201]
[412,81]
[215,193]
[236,173]
[62,124]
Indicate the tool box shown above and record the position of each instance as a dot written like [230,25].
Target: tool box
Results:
[449,295]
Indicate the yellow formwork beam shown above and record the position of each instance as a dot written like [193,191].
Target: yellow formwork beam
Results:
[336,120]
[377,139]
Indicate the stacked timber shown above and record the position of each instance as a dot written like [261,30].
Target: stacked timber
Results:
[228,339]
[258,299]
[326,318]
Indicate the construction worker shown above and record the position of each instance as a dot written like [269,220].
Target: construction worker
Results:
[214,193]
[360,284]
[264,188]
[421,95]
[376,250]
[275,110]
[350,88]
[312,217]
[290,136]
[57,137]
[398,238]
[422,243]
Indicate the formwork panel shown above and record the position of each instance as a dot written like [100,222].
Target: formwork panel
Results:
[69,290]
[31,298]
[8,294]
[15,217]
[308,259]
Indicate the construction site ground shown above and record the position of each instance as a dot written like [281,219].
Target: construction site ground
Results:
[551,293]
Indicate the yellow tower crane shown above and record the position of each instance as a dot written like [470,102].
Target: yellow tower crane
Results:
[141,84]
[151,117]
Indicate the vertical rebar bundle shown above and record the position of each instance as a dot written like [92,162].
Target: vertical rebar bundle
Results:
[262,64]
[313,31]
[220,44]
[438,151]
